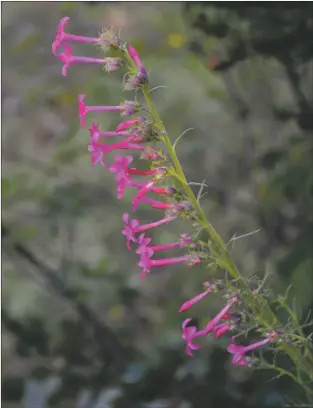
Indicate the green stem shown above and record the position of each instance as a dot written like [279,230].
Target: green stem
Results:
[268,316]
[159,124]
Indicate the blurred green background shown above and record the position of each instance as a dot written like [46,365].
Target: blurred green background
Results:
[79,329]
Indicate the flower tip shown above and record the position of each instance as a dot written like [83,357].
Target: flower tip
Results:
[132,52]
[135,204]
[184,307]
[185,322]
[64,70]
[125,125]
[226,316]
[55,46]
[64,20]
[125,218]
[60,33]
[222,330]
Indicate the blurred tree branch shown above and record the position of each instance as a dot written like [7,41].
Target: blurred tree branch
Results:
[104,336]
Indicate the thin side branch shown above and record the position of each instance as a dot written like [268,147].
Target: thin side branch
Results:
[104,336]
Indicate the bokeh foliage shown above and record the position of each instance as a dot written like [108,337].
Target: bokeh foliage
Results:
[73,305]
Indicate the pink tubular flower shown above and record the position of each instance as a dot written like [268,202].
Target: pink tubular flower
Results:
[149,187]
[209,288]
[99,150]
[123,179]
[63,36]
[240,351]
[68,59]
[158,204]
[141,193]
[97,155]
[185,240]
[231,319]
[84,109]
[129,229]
[221,329]
[189,334]
[154,204]
[146,263]
[119,167]
[144,241]
[213,324]
[96,133]
[137,172]
[157,190]
[122,175]
[146,252]
[135,57]
[132,227]
[124,145]
[128,123]
[187,305]
[145,256]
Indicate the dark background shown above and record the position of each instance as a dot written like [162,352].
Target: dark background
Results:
[76,321]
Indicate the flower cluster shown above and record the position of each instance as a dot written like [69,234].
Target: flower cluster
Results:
[223,323]
[131,135]
[152,185]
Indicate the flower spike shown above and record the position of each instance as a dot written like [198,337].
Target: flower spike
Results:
[164,170]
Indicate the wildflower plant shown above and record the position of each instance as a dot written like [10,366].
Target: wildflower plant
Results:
[163,186]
